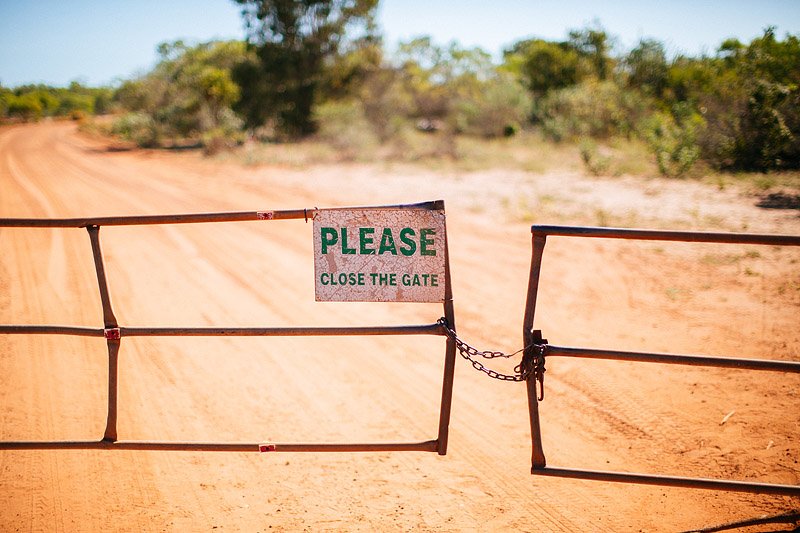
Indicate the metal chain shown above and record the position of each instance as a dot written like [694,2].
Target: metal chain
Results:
[532,363]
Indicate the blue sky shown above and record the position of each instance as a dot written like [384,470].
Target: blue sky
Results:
[96,42]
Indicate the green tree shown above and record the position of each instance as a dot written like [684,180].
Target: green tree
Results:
[647,67]
[592,108]
[673,139]
[543,65]
[26,106]
[689,78]
[500,107]
[546,66]
[48,101]
[346,72]
[593,44]
[292,40]
[188,95]
[5,97]
[435,77]
[751,102]
[460,89]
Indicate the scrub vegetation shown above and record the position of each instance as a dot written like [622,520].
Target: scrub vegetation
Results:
[34,102]
[318,72]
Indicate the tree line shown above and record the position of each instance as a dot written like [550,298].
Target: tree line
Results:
[319,67]
[33,102]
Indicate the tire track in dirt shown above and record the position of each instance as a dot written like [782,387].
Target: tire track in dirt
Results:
[51,360]
[44,472]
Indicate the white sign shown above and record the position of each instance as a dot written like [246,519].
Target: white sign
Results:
[379,255]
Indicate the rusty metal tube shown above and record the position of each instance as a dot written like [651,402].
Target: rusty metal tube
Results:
[425,446]
[424,329]
[663,235]
[109,319]
[537,454]
[50,330]
[449,359]
[675,359]
[110,432]
[141,220]
[110,322]
[669,481]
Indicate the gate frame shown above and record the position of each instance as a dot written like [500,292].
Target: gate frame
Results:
[533,342]
[114,333]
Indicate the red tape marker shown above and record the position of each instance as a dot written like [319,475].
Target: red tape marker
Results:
[266,448]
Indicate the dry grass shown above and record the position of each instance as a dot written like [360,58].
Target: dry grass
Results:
[527,151]
[756,182]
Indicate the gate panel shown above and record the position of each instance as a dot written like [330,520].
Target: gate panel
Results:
[538,350]
[115,333]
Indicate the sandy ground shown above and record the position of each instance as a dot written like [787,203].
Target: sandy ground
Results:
[715,299]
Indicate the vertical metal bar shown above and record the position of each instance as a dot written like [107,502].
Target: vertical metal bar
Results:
[539,240]
[537,457]
[113,341]
[449,358]
[110,433]
[109,319]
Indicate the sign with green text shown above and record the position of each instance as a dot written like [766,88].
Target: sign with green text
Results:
[379,255]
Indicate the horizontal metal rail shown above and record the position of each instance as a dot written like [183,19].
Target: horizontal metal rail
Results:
[427,329]
[423,329]
[675,359]
[426,446]
[540,233]
[144,220]
[669,481]
[51,330]
[664,235]
[195,218]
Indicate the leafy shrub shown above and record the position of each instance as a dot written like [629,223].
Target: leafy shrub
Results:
[26,106]
[227,134]
[596,163]
[187,97]
[497,110]
[591,109]
[749,96]
[386,105]
[344,126]
[673,140]
[137,127]
[757,131]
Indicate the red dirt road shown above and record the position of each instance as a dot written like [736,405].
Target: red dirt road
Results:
[720,300]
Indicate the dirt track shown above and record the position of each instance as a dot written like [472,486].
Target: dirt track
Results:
[680,298]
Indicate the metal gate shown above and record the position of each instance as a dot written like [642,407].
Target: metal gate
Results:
[114,333]
[538,349]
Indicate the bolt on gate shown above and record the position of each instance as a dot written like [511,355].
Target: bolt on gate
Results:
[538,349]
[114,333]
